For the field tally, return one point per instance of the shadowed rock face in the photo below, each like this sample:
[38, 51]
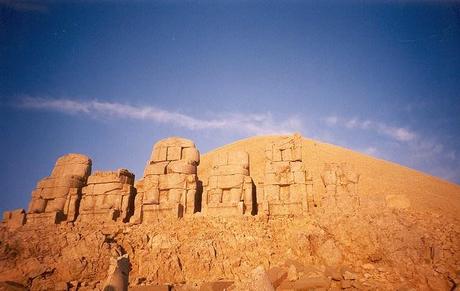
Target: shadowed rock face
[56, 197]
[328, 235]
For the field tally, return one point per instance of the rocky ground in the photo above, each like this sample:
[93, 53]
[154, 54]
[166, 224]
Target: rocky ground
[389, 249]
[405, 235]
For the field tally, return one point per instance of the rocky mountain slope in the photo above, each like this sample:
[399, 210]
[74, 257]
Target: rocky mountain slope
[404, 235]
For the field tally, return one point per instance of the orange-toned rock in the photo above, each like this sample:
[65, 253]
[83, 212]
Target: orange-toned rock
[341, 185]
[287, 185]
[108, 196]
[169, 185]
[230, 189]
[14, 218]
[56, 197]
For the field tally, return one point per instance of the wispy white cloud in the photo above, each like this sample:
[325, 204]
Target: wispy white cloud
[257, 123]
[400, 134]
[403, 145]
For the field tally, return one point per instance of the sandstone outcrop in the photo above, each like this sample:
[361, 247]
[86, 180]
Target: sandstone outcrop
[108, 196]
[56, 197]
[169, 185]
[229, 190]
[287, 187]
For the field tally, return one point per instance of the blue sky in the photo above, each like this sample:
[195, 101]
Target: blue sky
[110, 78]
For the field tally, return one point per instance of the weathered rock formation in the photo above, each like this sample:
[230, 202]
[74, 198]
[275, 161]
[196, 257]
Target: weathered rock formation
[169, 185]
[108, 196]
[229, 190]
[341, 183]
[14, 218]
[341, 240]
[56, 197]
[287, 185]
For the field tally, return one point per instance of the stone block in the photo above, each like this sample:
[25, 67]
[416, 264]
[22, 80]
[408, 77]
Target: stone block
[174, 153]
[176, 141]
[286, 155]
[298, 192]
[55, 192]
[192, 155]
[36, 193]
[191, 181]
[329, 178]
[14, 218]
[159, 153]
[175, 195]
[148, 182]
[231, 170]
[277, 167]
[72, 164]
[54, 205]
[172, 181]
[181, 166]
[230, 181]
[47, 182]
[220, 160]
[37, 205]
[297, 166]
[277, 157]
[212, 182]
[285, 193]
[286, 178]
[44, 218]
[98, 179]
[151, 196]
[296, 153]
[271, 193]
[106, 187]
[214, 196]
[299, 177]
[236, 195]
[87, 202]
